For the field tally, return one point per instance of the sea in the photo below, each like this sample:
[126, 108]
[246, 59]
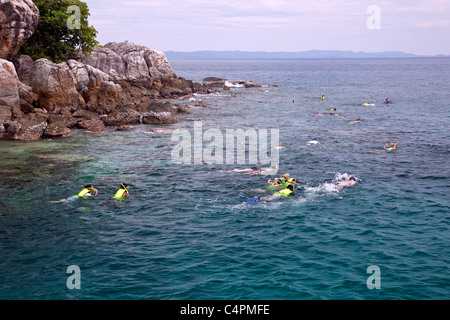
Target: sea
[189, 234]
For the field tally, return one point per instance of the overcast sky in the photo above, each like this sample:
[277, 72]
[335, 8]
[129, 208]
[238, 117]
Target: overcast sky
[412, 26]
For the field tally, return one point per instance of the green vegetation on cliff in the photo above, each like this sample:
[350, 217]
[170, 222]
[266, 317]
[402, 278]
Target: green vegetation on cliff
[63, 31]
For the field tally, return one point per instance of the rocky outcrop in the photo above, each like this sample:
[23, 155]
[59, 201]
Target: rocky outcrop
[123, 116]
[57, 130]
[120, 84]
[159, 118]
[27, 128]
[72, 84]
[18, 21]
[213, 82]
[127, 61]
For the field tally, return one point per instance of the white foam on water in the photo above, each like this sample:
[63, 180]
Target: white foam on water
[233, 84]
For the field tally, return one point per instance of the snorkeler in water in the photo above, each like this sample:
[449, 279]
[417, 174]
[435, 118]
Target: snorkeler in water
[88, 191]
[387, 147]
[123, 192]
[276, 183]
[280, 146]
[391, 147]
[286, 192]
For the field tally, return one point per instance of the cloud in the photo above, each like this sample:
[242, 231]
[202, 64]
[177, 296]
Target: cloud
[286, 24]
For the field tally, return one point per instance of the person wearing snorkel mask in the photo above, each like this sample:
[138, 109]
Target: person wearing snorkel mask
[123, 192]
[88, 191]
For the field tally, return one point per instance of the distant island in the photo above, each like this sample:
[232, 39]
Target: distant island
[311, 54]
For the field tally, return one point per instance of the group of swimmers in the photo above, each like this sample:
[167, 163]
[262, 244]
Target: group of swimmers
[90, 191]
[284, 188]
[387, 147]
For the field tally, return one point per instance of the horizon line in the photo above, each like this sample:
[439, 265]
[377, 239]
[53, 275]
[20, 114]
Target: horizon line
[310, 51]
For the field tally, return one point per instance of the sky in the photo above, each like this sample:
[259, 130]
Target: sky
[413, 26]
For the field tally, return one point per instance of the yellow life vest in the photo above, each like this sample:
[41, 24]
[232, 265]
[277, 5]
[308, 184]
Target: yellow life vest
[284, 192]
[288, 182]
[83, 193]
[119, 194]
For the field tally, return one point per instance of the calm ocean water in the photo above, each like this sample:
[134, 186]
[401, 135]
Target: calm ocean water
[190, 236]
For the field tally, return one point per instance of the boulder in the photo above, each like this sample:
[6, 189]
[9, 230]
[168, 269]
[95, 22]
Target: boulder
[18, 21]
[63, 120]
[127, 61]
[183, 109]
[213, 82]
[55, 84]
[122, 116]
[57, 130]
[86, 76]
[27, 98]
[9, 128]
[176, 87]
[107, 97]
[73, 84]
[85, 115]
[23, 65]
[202, 104]
[5, 113]
[246, 83]
[95, 125]
[123, 128]
[32, 128]
[9, 90]
[159, 118]
[159, 106]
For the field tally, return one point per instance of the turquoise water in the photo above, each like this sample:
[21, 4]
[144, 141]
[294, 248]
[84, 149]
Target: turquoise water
[190, 236]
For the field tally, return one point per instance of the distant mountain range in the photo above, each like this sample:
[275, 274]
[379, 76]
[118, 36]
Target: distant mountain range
[312, 54]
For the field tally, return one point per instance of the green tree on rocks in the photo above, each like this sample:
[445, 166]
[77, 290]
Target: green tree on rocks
[63, 31]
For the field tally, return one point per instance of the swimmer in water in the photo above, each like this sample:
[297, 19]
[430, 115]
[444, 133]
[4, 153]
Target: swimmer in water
[347, 183]
[319, 114]
[280, 146]
[312, 142]
[355, 121]
[287, 192]
[387, 147]
[391, 147]
[276, 183]
[252, 169]
[88, 191]
[123, 192]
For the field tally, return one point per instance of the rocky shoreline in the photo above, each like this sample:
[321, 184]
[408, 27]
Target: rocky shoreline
[116, 85]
